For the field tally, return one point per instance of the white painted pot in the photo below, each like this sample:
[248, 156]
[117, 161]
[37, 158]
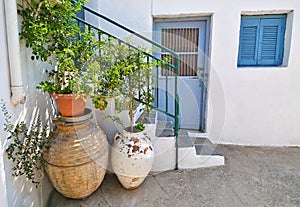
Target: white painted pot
[132, 158]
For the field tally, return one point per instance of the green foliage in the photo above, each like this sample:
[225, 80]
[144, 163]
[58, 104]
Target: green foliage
[140, 127]
[124, 72]
[48, 27]
[100, 102]
[55, 37]
[104, 71]
[138, 80]
[119, 70]
[26, 146]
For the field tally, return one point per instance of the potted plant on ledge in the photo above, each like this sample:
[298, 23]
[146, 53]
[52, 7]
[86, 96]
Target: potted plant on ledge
[49, 29]
[76, 160]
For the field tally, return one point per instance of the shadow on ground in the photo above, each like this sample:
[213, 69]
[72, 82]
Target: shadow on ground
[252, 176]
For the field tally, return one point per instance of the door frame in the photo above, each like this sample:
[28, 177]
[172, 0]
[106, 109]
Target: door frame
[203, 77]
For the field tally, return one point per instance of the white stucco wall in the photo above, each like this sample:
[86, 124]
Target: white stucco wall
[261, 104]
[18, 192]
[134, 14]
[249, 106]
[254, 106]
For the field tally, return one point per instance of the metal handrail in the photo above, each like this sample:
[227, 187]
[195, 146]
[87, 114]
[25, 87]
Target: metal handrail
[169, 65]
[128, 30]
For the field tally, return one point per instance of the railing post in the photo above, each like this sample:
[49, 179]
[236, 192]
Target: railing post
[176, 128]
[167, 84]
[157, 87]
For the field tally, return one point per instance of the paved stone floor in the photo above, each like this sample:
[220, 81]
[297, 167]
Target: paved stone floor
[252, 176]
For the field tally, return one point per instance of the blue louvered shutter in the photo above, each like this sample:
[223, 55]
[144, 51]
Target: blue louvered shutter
[249, 34]
[261, 40]
[270, 49]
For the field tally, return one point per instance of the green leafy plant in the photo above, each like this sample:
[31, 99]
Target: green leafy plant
[140, 126]
[138, 83]
[105, 72]
[123, 72]
[26, 146]
[100, 102]
[49, 29]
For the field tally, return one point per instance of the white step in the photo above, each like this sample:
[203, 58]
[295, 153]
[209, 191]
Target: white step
[196, 151]
[197, 134]
[188, 159]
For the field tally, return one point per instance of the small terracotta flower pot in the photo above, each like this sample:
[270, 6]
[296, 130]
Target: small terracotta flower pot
[69, 104]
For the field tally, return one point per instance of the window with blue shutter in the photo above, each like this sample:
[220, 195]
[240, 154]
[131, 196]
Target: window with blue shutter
[261, 40]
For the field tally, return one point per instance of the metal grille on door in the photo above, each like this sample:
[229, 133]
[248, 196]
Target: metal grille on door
[183, 41]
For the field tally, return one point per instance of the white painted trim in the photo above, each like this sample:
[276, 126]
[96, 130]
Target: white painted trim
[264, 12]
[288, 38]
[197, 16]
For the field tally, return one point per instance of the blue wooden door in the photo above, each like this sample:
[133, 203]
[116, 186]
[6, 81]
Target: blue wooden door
[188, 38]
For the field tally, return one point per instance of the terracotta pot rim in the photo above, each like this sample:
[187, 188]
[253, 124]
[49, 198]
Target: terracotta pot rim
[65, 95]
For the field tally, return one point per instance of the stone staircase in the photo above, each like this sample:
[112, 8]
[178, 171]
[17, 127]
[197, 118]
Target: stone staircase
[195, 149]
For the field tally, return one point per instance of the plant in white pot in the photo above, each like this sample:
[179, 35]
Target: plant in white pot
[132, 151]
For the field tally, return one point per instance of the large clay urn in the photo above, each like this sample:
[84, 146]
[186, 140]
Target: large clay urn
[132, 158]
[77, 159]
